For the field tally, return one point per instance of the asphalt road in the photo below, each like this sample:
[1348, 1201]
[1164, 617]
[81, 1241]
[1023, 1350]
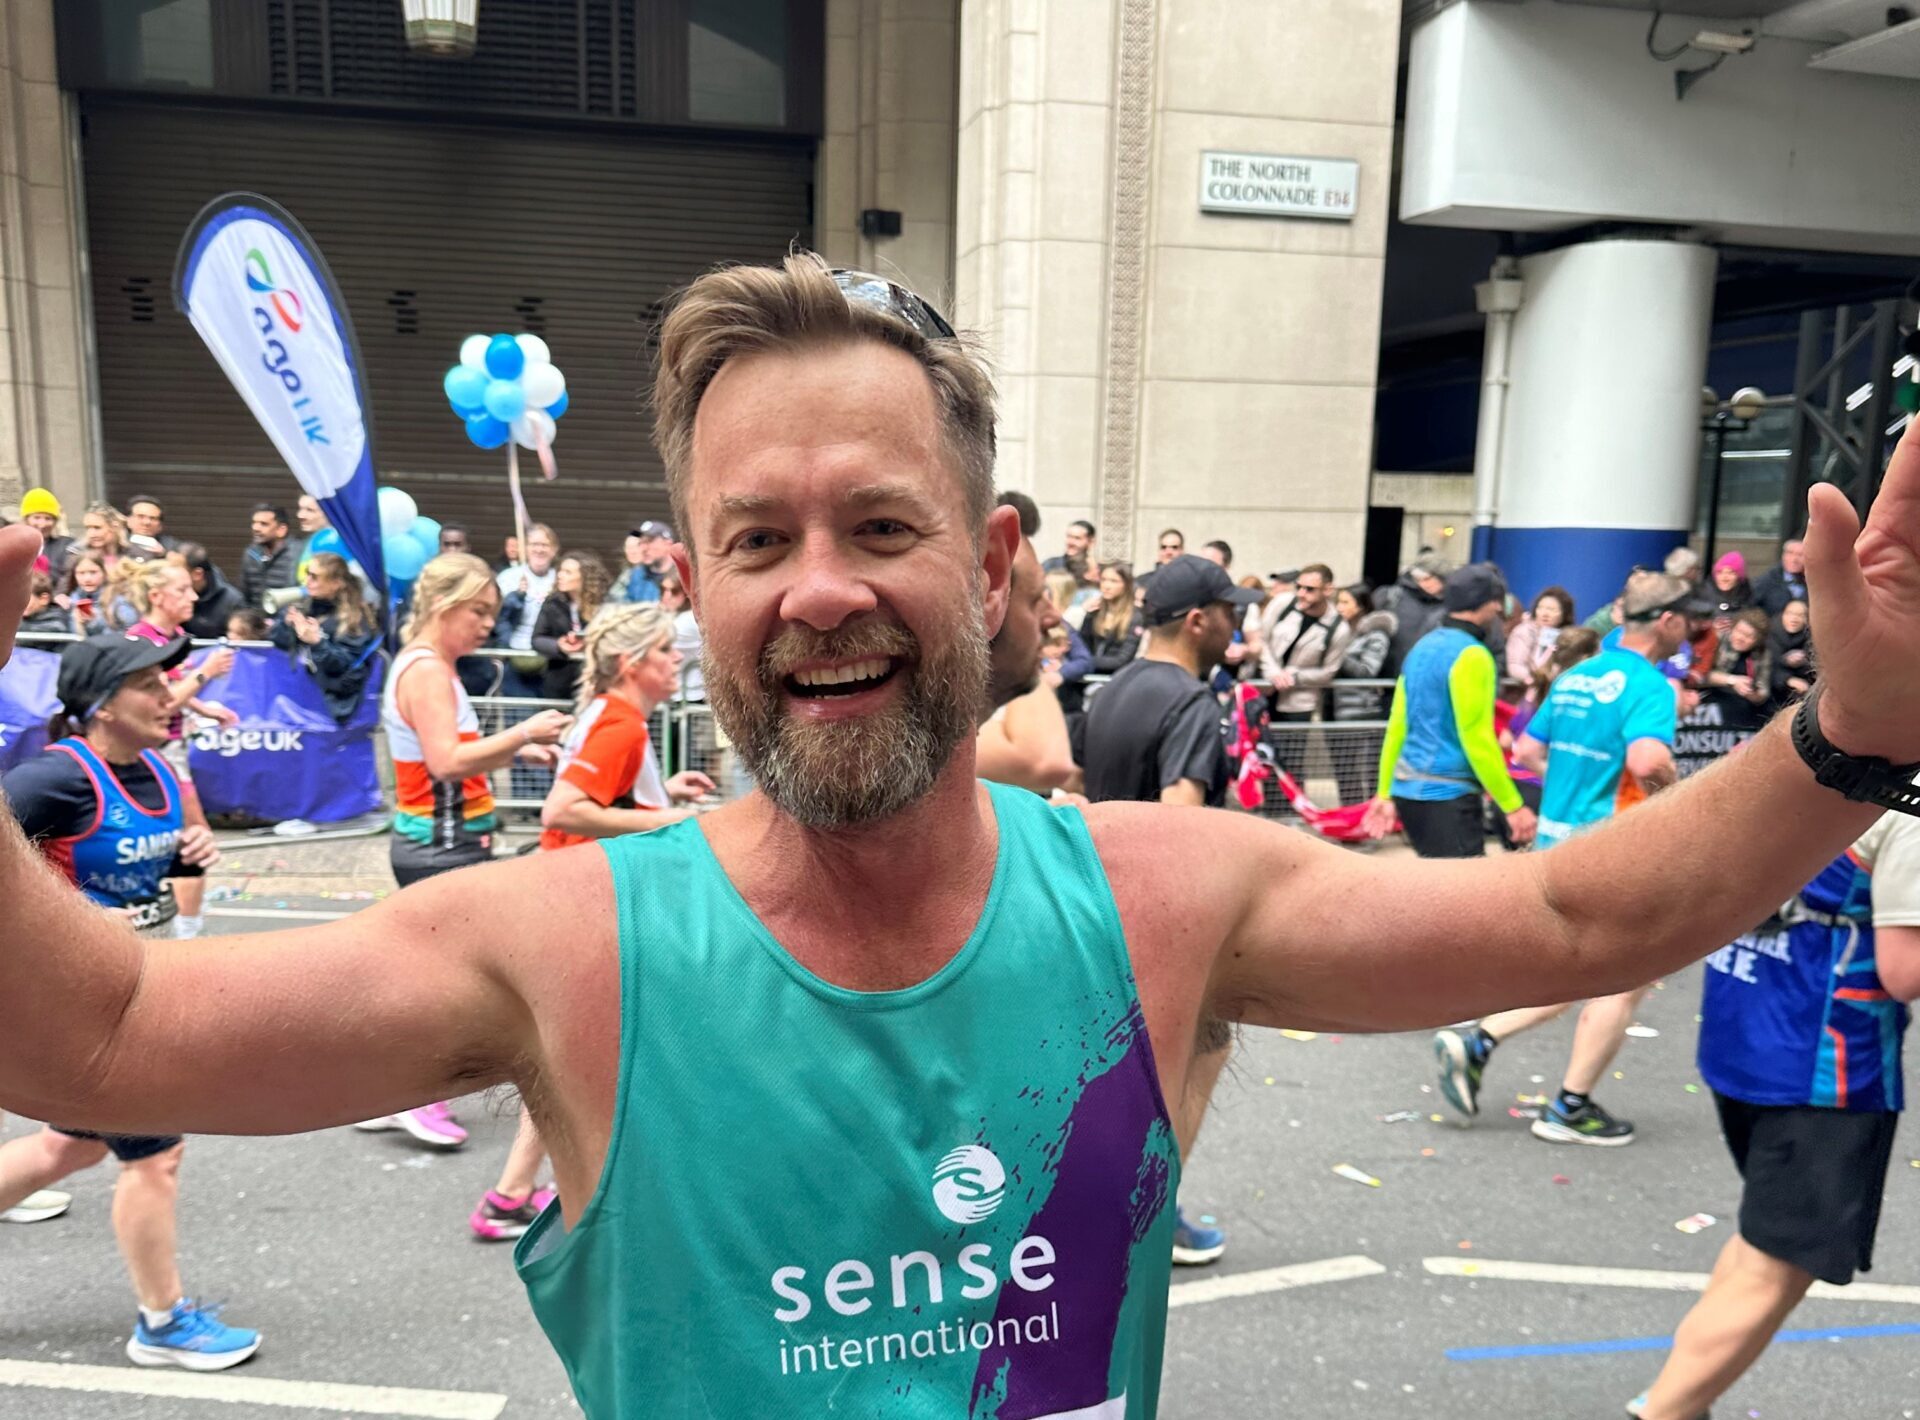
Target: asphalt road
[351, 1252]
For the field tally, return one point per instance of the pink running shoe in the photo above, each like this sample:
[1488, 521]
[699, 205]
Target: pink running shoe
[433, 1125]
[500, 1218]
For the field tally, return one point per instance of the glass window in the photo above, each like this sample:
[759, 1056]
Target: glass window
[159, 44]
[736, 62]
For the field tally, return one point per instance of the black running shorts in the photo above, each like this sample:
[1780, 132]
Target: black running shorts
[413, 861]
[1813, 1179]
[127, 1148]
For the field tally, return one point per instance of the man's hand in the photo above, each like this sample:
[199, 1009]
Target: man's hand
[1864, 590]
[1381, 819]
[197, 848]
[1522, 825]
[19, 545]
[689, 786]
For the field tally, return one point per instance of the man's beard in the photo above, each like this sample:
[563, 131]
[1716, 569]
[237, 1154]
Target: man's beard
[839, 773]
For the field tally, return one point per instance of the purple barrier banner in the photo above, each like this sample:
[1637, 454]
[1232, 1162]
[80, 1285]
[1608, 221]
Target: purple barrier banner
[27, 701]
[287, 758]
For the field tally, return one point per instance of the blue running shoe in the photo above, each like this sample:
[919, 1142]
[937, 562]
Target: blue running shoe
[194, 1337]
[1195, 1244]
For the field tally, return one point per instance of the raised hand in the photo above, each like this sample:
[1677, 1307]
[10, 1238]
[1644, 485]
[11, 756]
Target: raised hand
[1863, 588]
[19, 545]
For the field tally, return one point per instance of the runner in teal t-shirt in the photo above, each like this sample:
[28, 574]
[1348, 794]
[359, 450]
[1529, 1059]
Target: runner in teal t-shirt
[1603, 740]
[1587, 728]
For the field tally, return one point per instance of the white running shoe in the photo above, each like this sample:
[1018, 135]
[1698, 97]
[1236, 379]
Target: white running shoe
[38, 1207]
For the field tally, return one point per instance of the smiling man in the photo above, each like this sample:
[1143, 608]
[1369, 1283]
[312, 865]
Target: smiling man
[857, 1090]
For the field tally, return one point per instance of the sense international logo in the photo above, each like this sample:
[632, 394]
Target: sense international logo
[969, 1184]
[284, 299]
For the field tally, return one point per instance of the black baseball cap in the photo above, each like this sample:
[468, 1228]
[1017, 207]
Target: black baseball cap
[1188, 583]
[92, 671]
[1471, 587]
[653, 528]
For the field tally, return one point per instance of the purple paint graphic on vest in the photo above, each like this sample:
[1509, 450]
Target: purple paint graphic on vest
[1110, 1185]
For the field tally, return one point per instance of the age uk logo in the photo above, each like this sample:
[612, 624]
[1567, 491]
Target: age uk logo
[284, 299]
[968, 1184]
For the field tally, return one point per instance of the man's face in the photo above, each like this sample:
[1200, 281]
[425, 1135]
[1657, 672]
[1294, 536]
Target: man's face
[1310, 594]
[1217, 634]
[144, 518]
[1077, 542]
[1670, 630]
[1214, 555]
[656, 552]
[42, 523]
[845, 605]
[1433, 586]
[267, 529]
[540, 552]
[1793, 557]
[1030, 616]
[453, 540]
[309, 514]
[1171, 546]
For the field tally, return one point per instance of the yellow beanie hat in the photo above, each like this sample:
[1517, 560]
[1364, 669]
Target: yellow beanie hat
[39, 500]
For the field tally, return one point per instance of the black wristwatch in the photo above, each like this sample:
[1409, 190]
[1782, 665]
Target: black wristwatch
[1862, 778]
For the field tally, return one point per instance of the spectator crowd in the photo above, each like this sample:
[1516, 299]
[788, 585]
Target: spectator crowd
[1310, 646]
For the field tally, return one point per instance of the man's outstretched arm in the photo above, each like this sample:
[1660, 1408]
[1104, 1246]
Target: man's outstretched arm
[1310, 935]
[419, 998]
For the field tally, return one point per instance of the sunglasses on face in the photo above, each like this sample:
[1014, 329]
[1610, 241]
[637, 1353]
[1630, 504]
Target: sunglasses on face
[890, 297]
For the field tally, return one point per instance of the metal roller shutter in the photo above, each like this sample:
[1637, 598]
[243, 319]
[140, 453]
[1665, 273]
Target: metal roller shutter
[434, 232]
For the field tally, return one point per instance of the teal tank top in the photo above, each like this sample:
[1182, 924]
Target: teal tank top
[953, 1200]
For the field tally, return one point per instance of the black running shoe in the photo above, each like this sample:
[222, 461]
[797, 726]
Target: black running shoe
[1589, 1124]
[1459, 1071]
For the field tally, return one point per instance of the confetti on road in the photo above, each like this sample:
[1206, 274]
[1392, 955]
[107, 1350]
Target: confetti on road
[1466, 1247]
[1399, 1116]
[1561, 1178]
[1643, 1032]
[1699, 1222]
[1350, 1172]
[1619, 1074]
[1432, 1154]
[1269, 1079]
[1531, 1099]
[1301, 1034]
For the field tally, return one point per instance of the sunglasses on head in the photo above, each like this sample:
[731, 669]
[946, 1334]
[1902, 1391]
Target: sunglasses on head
[878, 293]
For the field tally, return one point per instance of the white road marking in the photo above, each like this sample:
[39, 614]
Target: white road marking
[1644, 1279]
[1272, 1279]
[255, 1390]
[291, 914]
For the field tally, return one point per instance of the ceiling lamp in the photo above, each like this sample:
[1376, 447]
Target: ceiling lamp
[442, 29]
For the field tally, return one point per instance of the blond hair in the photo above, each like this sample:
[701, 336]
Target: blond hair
[737, 311]
[444, 583]
[619, 631]
[138, 581]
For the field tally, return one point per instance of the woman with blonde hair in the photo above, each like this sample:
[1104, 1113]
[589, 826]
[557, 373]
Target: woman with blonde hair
[443, 803]
[163, 597]
[609, 784]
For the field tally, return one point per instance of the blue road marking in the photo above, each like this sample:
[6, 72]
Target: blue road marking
[1661, 1343]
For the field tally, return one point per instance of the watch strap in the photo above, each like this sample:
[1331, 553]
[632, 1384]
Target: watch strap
[1861, 778]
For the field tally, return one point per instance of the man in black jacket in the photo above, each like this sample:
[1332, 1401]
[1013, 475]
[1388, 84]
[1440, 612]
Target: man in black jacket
[1415, 601]
[1785, 582]
[271, 561]
[215, 598]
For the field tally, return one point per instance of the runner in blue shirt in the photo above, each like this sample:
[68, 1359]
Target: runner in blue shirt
[1800, 1035]
[1603, 740]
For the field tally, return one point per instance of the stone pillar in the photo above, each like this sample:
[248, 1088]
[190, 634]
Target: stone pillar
[891, 72]
[1159, 365]
[46, 433]
[1601, 455]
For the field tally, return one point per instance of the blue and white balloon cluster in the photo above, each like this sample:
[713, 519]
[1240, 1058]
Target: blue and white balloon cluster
[507, 386]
